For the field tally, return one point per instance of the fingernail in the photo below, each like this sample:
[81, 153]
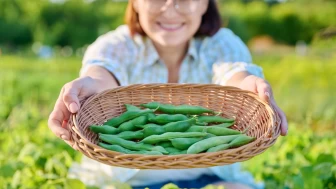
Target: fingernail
[64, 137]
[267, 94]
[73, 107]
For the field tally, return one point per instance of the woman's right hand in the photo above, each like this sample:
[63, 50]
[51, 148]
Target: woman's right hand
[69, 102]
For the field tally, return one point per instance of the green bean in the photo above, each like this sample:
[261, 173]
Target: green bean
[167, 118]
[165, 144]
[179, 126]
[126, 116]
[153, 130]
[178, 153]
[184, 143]
[212, 119]
[221, 131]
[152, 153]
[180, 109]
[171, 149]
[209, 135]
[120, 149]
[241, 140]
[112, 139]
[224, 125]
[130, 125]
[219, 148]
[201, 123]
[170, 135]
[151, 105]
[127, 126]
[141, 120]
[113, 147]
[196, 128]
[131, 135]
[105, 129]
[187, 109]
[150, 116]
[216, 130]
[148, 125]
[130, 107]
[209, 143]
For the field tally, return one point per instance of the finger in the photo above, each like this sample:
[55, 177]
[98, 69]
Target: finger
[284, 123]
[55, 126]
[56, 118]
[264, 90]
[70, 96]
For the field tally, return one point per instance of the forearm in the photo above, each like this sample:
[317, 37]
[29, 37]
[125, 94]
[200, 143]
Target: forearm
[236, 79]
[104, 79]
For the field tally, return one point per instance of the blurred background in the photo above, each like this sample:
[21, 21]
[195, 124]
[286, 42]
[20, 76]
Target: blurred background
[42, 43]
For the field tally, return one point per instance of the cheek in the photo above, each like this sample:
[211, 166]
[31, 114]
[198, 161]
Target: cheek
[144, 22]
[195, 23]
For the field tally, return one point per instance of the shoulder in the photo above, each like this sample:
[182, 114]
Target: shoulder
[224, 38]
[119, 36]
[116, 42]
[226, 45]
[225, 33]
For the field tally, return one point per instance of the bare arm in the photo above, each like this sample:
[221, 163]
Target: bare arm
[237, 78]
[105, 79]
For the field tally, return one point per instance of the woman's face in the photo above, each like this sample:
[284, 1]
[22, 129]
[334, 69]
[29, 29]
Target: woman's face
[170, 23]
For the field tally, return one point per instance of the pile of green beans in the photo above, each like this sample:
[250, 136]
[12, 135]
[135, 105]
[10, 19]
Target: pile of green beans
[165, 129]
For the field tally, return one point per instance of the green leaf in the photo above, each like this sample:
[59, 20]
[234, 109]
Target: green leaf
[74, 183]
[323, 158]
[313, 183]
[298, 182]
[323, 170]
[307, 172]
[29, 150]
[16, 179]
[7, 170]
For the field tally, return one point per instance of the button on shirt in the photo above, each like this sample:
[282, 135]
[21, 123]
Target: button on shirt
[134, 60]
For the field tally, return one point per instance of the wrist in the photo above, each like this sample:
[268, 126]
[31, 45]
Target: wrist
[101, 78]
[100, 84]
[237, 78]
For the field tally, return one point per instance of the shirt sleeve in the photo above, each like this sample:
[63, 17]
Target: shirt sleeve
[113, 51]
[232, 56]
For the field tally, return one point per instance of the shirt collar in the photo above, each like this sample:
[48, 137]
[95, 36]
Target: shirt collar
[153, 57]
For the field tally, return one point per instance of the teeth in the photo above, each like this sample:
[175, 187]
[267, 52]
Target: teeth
[171, 26]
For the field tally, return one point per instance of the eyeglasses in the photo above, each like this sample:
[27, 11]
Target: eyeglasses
[181, 6]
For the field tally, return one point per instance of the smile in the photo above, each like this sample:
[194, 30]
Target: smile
[170, 27]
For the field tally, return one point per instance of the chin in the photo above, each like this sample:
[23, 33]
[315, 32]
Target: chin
[171, 42]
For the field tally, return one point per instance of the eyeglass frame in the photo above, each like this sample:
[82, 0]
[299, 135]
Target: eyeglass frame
[176, 8]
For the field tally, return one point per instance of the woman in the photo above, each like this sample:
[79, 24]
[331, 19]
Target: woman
[175, 41]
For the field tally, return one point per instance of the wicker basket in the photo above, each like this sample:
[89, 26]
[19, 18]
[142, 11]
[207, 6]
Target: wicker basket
[262, 122]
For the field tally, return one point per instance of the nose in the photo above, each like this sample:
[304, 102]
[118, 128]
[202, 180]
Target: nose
[169, 9]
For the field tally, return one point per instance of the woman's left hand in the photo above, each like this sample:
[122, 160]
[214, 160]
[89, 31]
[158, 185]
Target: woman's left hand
[264, 91]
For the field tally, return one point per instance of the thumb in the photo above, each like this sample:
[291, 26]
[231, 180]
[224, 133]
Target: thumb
[70, 96]
[264, 91]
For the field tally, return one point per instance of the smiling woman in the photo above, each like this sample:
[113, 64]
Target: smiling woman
[210, 23]
[175, 41]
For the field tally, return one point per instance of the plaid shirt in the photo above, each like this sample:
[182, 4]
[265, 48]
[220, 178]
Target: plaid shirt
[134, 60]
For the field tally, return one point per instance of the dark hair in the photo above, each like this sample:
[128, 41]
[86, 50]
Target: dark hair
[211, 20]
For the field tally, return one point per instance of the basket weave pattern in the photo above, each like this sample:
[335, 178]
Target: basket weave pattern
[250, 112]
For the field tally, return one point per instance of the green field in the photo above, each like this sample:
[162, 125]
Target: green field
[304, 87]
